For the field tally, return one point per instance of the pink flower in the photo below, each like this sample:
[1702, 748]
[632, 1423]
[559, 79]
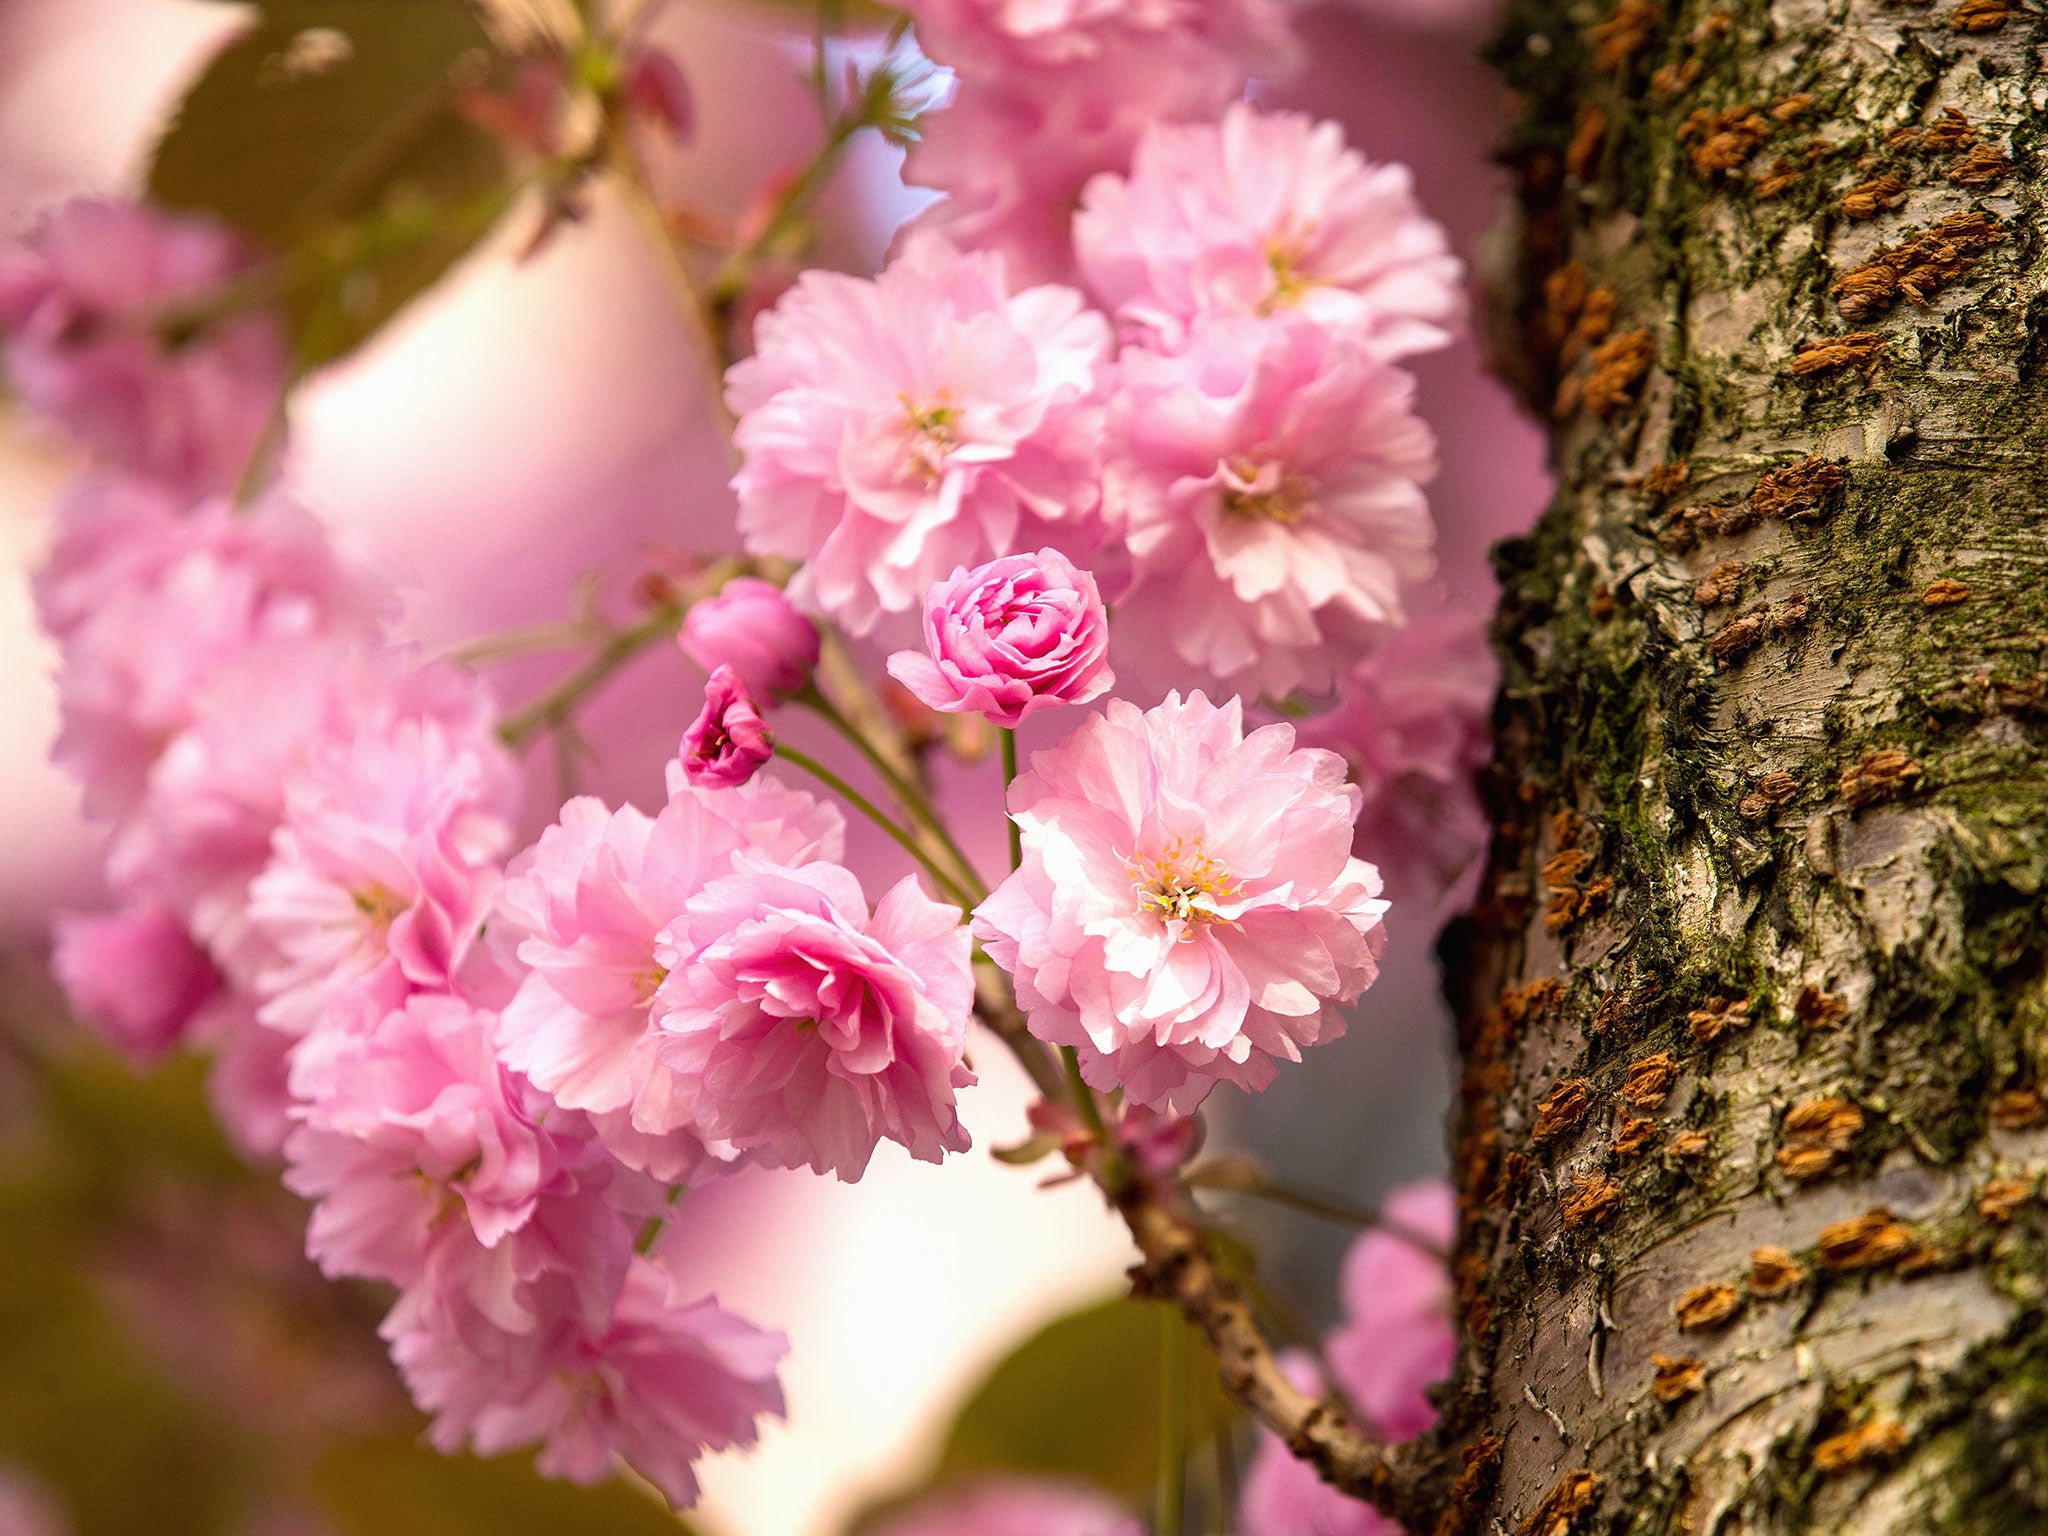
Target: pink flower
[1398, 1340]
[247, 1086]
[660, 1385]
[383, 869]
[80, 311]
[892, 430]
[751, 627]
[136, 977]
[589, 900]
[1188, 910]
[411, 1121]
[658, 91]
[1270, 481]
[1016, 1506]
[217, 792]
[1284, 1496]
[1411, 720]
[152, 603]
[1052, 94]
[1267, 213]
[802, 1030]
[729, 740]
[1019, 635]
[1000, 36]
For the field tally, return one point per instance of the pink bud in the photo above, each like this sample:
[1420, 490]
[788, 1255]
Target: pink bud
[751, 628]
[1018, 635]
[135, 977]
[657, 89]
[730, 740]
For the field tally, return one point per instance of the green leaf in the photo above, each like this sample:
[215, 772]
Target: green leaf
[393, 1486]
[329, 133]
[1081, 1399]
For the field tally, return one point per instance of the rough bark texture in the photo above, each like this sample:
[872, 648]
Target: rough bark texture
[1757, 1020]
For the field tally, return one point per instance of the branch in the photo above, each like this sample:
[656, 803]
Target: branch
[1409, 1483]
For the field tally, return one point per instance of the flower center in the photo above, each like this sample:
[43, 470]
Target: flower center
[1287, 282]
[1182, 883]
[380, 907]
[1266, 491]
[934, 432]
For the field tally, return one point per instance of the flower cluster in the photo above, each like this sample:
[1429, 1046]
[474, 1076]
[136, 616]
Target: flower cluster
[308, 827]
[1128, 410]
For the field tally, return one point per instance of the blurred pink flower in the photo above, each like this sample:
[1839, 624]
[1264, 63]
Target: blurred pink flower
[27, 1508]
[382, 870]
[1411, 720]
[1016, 636]
[1396, 1343]
[1051, 95]
[1267, 213]
[729, 741]
[894, 429]
[151, 603]
[752, 627]
[81, 311]
[663, 1383]
[804, 1031]
[1016, 1506]
[136, 977]
[1269, 480]
[1188, 910]
[1398, 1339]
[1231, 36]
[586, 904]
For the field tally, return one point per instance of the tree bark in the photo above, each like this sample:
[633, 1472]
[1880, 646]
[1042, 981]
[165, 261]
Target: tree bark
[1756, 1001]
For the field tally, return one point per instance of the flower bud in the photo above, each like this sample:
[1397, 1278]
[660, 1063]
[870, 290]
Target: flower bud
[753, 629]
[729, 740]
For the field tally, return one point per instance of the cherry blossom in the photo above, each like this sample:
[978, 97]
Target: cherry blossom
[1188, 910]
[894, 429]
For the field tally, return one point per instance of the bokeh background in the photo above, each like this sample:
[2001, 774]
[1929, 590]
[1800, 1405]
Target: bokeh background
[527, 424]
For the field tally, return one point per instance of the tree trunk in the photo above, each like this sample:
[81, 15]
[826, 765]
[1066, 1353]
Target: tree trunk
[1755, 1003]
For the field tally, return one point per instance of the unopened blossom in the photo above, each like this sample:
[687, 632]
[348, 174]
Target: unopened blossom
[663, 1382]
[587, 904]
[657, 91]
[83, 307]
[753, 628]
[1269, 480]
[1396, 1343]
[152, 603]
[410, 1121]
[801, 1029]
[1268, 213]
[1016, 1506]
[135, 976]
[1411, 720]
[1009, 639]
[729, 741]
[383, 869]
[896, 428]
[1187, 911]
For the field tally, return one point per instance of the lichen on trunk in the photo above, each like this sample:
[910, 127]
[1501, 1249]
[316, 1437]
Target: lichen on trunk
[1756, 999]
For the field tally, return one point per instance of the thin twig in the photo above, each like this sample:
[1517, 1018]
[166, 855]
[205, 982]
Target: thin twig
[874, 813]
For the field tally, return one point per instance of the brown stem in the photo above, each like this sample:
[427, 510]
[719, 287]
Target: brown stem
[1408, 1483]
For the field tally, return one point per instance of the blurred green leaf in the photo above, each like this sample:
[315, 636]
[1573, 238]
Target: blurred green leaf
[1081, 1399]
[330, 133]
[394, 1486]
